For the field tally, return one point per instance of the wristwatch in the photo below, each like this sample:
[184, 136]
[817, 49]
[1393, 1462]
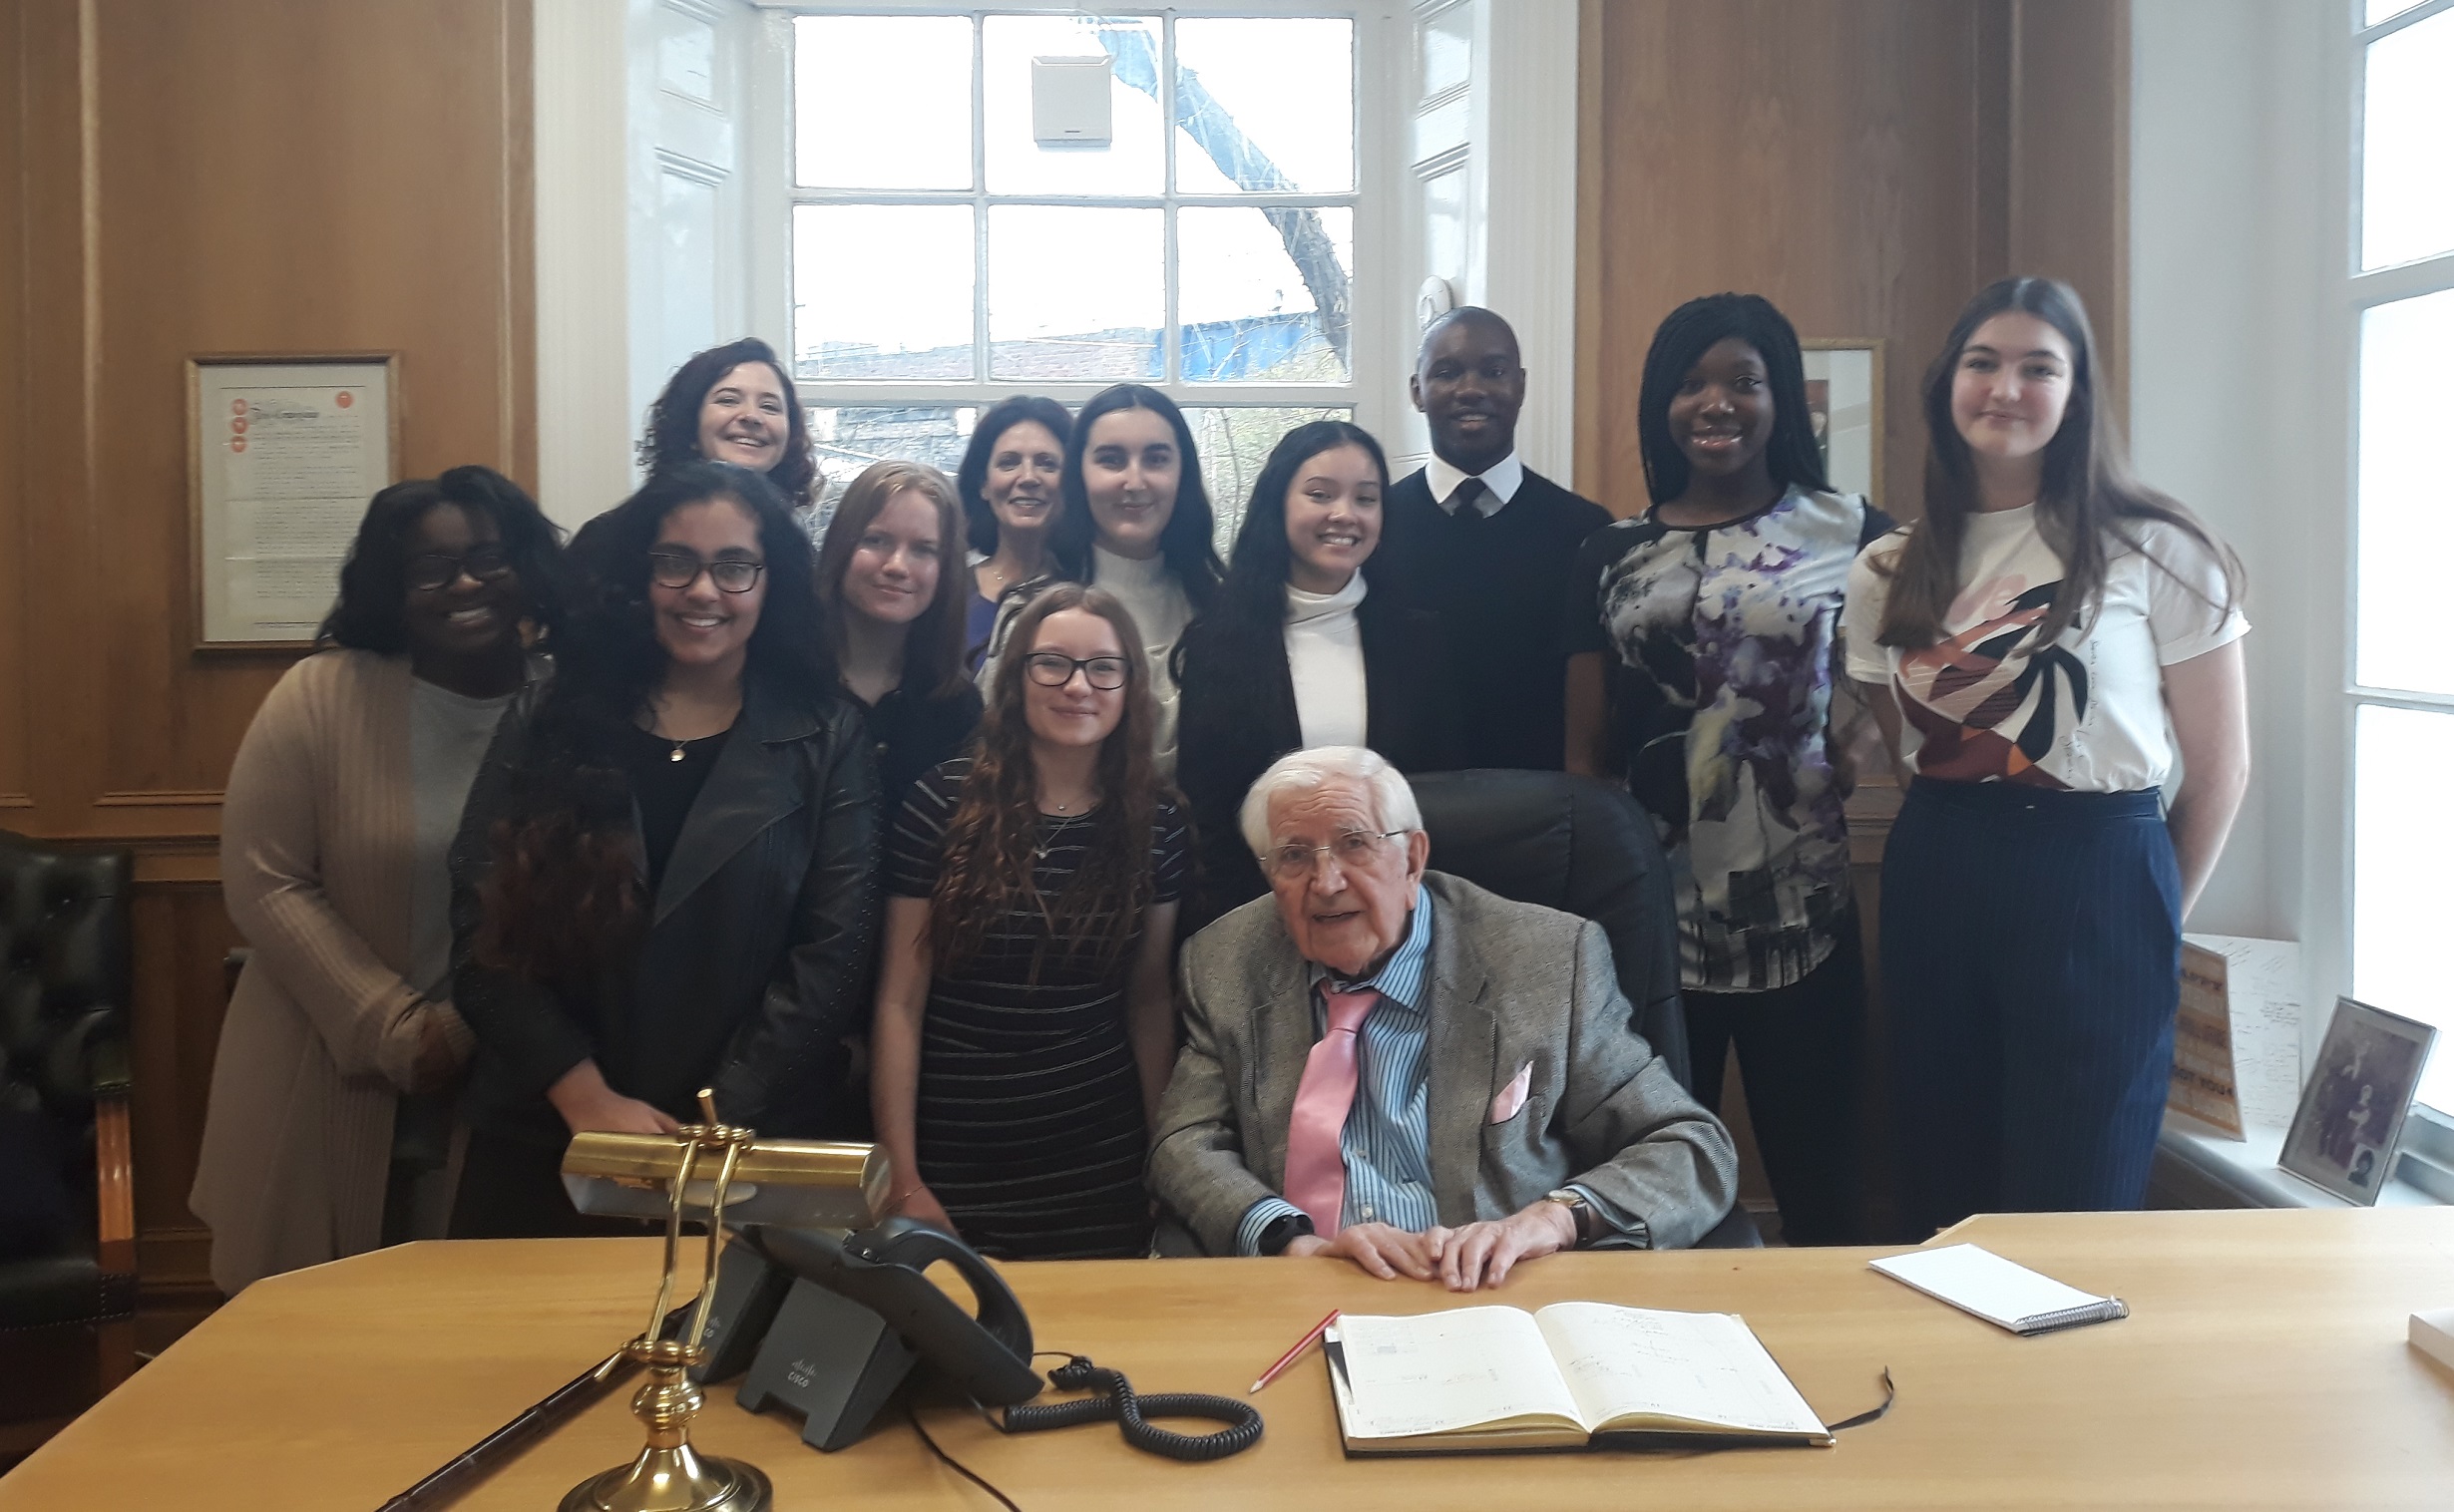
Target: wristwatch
[1283, 1231]
[1580, 1211]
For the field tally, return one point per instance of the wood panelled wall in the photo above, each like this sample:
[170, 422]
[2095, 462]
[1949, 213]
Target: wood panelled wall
[1865, 165]
[239, 176]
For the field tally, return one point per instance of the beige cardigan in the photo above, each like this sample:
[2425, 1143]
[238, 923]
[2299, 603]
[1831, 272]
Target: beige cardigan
[317, 838]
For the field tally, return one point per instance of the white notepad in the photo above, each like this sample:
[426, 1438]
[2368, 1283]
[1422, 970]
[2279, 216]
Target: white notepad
[2001, 1291]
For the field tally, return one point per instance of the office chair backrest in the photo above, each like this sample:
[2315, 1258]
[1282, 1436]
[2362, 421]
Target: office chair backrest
[1576, 845]
[64, 983]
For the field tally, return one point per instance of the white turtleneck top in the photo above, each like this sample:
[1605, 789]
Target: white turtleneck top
[1155, 600]
[1325, 656]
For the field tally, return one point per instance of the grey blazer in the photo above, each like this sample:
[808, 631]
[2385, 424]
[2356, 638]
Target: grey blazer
[1512, 987]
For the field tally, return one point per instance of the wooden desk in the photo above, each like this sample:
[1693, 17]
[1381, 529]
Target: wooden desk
[2263, 1366]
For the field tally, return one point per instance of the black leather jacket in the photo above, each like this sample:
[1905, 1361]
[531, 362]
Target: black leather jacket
[749, 975]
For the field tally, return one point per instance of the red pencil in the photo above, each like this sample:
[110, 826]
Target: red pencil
[1301, 1345]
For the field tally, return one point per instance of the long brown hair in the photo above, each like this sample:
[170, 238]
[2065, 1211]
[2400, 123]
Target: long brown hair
[2088, 494]
[990, 858]
[934, 645]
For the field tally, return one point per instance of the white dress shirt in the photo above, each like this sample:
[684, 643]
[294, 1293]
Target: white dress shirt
[1499, 483]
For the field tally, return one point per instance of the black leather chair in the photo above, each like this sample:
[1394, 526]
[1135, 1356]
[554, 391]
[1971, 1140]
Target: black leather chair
[1576, 845]
[1584, 847]
[68, 1284]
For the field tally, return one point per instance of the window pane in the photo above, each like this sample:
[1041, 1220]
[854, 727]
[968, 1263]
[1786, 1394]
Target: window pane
[2385, 10]
[849, 439]
[1132, 163]
[2407, 145]
[1265, 104]
[2406, 393]
[1074, 293]
[882, 291]
[1233, 444]
[883, 101]
[1252, 286]
[2401, 835]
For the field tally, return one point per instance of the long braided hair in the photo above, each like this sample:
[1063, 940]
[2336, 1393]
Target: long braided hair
[990, 857]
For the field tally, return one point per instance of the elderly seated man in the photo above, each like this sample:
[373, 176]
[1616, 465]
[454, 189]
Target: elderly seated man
[1393, 1065]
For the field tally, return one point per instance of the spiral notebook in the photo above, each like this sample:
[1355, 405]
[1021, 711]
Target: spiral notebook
[2003, 1293]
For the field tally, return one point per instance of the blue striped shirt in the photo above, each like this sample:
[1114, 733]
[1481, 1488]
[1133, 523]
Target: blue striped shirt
[1387, 1142]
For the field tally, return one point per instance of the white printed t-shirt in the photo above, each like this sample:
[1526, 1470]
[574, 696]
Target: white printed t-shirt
[1988, 703]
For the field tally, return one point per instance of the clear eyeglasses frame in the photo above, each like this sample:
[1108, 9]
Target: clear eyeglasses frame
[1355, 848]
[1051, 670]
[678, 570]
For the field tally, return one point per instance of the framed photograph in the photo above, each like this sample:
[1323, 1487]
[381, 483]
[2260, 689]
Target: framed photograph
[2351, 1112]
[1845, 399]
[283, 453]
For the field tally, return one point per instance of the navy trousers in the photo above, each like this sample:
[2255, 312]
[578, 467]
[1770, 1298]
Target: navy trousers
[2031, 966]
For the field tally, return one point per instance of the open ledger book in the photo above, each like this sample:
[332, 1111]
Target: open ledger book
[1573, 1375]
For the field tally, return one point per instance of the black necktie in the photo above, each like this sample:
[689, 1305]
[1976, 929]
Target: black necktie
[1462, 504]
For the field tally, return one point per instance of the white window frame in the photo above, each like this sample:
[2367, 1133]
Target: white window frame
[773, 195]
[2428, 1152]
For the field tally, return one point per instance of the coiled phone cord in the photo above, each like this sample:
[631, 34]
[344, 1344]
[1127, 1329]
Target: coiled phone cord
[1117, 1403]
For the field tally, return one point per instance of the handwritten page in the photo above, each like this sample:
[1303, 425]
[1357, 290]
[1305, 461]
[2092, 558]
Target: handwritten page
[2000, 1291]
[1443, 1371]
[1704, 1367]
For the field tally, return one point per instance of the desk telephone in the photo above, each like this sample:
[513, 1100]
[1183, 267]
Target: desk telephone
[831, 1325]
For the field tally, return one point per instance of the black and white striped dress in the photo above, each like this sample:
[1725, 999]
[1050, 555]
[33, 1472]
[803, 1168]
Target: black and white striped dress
[1029, 1116]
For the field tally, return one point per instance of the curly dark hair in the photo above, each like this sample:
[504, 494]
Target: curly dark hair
[673, 421]
[971, 479]
[1184, 543]
[371, 613]
[565, 884]
[1680, 342]
[991, 864]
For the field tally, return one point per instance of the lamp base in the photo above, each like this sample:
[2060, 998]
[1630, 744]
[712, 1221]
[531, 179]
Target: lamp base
[678, 1479]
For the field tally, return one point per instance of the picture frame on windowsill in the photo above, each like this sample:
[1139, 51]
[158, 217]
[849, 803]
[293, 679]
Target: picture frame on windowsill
[2349, 1124]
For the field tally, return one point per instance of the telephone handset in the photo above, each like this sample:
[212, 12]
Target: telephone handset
[830, 1325]
[988, 1355]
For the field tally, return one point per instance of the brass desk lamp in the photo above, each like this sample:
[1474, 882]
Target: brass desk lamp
[662, 1175]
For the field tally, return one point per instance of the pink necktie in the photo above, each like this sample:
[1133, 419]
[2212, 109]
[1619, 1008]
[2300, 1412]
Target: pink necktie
[1315, 1170]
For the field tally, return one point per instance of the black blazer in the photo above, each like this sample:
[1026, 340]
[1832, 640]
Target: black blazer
[748, 974]
[1411, 716]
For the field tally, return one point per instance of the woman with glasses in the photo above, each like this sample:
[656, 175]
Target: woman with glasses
[329, 1128]
[664, 880]
[1136, 521]
[1008, 483]
[735, 403]
[1024, 1023]
[1298, 652]
[894, 618]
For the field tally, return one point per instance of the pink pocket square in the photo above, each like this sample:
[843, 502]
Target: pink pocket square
[1511, 1098]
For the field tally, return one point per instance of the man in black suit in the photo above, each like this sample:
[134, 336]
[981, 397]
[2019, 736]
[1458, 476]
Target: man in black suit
[1487, 544]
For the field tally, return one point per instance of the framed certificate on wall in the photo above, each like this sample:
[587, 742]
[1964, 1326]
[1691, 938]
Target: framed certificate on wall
[283, 453]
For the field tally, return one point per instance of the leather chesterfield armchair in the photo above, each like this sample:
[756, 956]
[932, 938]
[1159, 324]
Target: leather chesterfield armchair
[68, 1285]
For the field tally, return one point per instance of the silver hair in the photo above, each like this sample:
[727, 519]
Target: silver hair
[1392, 798]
